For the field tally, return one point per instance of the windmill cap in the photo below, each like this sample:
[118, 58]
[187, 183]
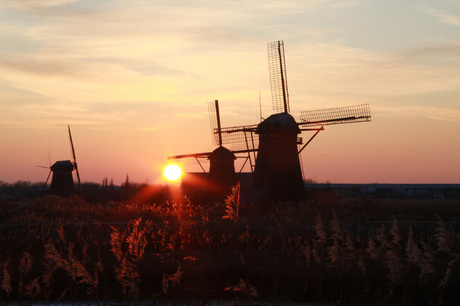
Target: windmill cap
[221, 153]
[62, 165]
[282, 122]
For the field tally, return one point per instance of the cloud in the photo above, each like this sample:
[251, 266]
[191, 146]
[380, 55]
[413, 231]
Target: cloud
[31, 4]
[403, 84]
[445, 51]
[37, 66]
[431, 112]
[28, 109]
[348, 70]
[443, 16]
[188, 53]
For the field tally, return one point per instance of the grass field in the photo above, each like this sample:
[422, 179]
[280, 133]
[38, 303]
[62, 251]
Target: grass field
[341, 251]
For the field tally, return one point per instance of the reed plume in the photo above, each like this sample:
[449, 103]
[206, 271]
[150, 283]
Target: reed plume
[129, 249]
[73, 268]
[6, 281]
[25, 265]
[232, 203]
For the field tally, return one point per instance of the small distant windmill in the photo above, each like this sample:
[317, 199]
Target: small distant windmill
[273, 147]
[62, 182]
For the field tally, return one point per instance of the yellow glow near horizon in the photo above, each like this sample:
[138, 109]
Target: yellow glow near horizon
[172, 172]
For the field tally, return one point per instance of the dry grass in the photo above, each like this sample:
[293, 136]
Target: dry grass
[342, 251]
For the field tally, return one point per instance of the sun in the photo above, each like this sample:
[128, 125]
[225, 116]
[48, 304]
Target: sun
[172, 172]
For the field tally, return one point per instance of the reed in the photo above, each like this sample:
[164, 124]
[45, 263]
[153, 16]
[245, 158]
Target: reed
[320, 252]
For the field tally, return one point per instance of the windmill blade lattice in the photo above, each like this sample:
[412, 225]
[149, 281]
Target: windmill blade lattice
[338, 115]
[228, 135]
[236, 134]
[278, 76]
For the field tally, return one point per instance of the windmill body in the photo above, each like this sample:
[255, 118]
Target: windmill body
[277, 166]
[62, 181]
[222, 169]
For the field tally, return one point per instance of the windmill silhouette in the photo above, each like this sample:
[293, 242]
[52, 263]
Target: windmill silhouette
[273, 147]
[62, 182]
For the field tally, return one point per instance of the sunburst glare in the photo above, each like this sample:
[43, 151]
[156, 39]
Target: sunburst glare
[172, 172]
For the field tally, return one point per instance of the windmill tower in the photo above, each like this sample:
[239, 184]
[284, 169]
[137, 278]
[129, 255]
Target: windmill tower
[273, 147]
[62, 181]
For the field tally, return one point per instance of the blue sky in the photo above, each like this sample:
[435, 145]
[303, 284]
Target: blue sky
[133, 79]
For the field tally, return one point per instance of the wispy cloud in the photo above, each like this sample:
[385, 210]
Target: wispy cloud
[37, 66]
[375, 73]
[446, 51]
[443, 16]
[159, 51]
[29, 4]
[431, 112]
[396, 83]
[192, 52]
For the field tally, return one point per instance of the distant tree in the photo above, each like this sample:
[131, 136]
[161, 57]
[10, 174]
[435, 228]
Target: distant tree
[104, 182]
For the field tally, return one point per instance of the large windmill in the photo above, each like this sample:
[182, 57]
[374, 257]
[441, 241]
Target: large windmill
[273, 147]
[62, 182]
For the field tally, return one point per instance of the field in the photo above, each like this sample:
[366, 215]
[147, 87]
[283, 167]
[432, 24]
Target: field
[338, 251]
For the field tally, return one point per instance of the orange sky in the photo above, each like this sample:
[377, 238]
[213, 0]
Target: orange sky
[133, 80]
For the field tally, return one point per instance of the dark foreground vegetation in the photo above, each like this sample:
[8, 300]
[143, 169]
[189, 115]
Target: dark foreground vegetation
[340, 251]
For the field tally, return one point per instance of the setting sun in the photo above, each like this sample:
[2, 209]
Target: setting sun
[172, 172]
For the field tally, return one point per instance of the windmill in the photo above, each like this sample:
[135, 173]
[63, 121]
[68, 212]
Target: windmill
[62, 182]
[273, 147]
[221, 176]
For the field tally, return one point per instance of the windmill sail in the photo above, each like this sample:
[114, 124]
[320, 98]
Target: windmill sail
[214, 118]
[338, 115]
[229, 135]
[46, 182]
[74, 157]
[278, 76]
[238, 134]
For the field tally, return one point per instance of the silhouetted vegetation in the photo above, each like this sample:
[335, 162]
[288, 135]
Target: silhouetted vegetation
[340, 251]
[20, 189]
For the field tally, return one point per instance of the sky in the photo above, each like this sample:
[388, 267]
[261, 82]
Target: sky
[133, 80]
